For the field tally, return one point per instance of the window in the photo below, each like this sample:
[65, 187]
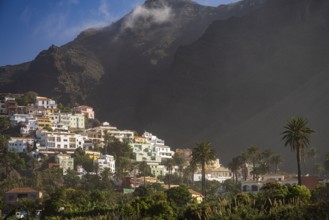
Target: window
[254, 188]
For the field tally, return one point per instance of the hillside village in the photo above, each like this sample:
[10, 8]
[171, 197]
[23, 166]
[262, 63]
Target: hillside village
[45, 128]
[68, 140]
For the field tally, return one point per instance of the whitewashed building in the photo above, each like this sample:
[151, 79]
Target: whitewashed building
[66, 162]
[77, 121]
[163, 151]
[157, 169]
[45, 102]
[20, 144]
[97, 134]
[106, 161]
[60, 140]
[15, 119]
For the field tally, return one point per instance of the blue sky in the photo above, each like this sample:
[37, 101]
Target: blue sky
[29, 26]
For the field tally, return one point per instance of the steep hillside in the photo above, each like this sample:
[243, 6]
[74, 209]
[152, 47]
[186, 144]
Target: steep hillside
[239, 83]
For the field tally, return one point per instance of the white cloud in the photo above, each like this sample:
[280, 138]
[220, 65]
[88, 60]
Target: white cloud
[156, 15]
[103, 9]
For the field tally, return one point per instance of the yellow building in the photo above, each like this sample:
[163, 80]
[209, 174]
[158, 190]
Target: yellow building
[44, 121]
[94, 155]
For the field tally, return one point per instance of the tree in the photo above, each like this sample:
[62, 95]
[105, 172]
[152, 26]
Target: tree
[4, 123]
[267, 154]
[235, 166]
[179, 195]
[313, 153]
[297, 136]
[179, 161]
[145, 169]
[170, 166]
[188, 173]
[202, 154]
[277, 161]
[253, 154]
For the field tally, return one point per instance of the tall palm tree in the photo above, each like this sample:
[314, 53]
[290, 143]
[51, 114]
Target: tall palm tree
[297, 136]
[202, 154]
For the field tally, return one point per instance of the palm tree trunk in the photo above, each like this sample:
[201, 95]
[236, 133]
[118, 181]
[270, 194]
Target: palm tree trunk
[203, 179]
[298, 166]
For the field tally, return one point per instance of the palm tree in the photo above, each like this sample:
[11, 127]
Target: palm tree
[202, 154]
[267, 154]
[277, 161]
[170, 166]
[253, 154]
[297, 136]
[235, 166]
[145, 168]
[313, 153]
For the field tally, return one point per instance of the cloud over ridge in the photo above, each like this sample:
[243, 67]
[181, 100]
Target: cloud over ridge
[153, 15]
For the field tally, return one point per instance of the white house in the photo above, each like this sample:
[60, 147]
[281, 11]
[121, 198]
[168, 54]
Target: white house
[77, 121]
[145, 152]
[20, 144]
[97, 134]
[66, 162]
[106, 161]
[31, 124]
[158, 146]
[15, 119]
[163, 151]
[45, 102]
[60, 140]
[157, 169]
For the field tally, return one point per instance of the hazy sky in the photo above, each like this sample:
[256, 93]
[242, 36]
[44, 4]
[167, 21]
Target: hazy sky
[29, 26]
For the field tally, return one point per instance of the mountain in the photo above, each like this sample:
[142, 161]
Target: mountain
[245, 77]
[231, 74]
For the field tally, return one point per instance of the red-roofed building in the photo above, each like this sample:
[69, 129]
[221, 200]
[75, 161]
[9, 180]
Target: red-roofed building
[13, 195]
[85, 110]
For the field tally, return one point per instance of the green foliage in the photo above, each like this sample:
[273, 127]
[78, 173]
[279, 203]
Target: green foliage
[298, 194]
[179, 195]
[64, 109]
[119, 149]
[71, 179]
[80, 159]
[27, 98]
[4, 123]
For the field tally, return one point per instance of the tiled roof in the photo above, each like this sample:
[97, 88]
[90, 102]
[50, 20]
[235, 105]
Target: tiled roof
[42, 98]
[22, 190]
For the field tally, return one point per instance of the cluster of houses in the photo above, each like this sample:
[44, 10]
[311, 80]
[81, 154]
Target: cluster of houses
[46, 130]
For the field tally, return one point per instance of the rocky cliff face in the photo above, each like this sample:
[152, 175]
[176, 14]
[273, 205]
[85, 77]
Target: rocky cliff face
[232, 75]
[239, 83]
